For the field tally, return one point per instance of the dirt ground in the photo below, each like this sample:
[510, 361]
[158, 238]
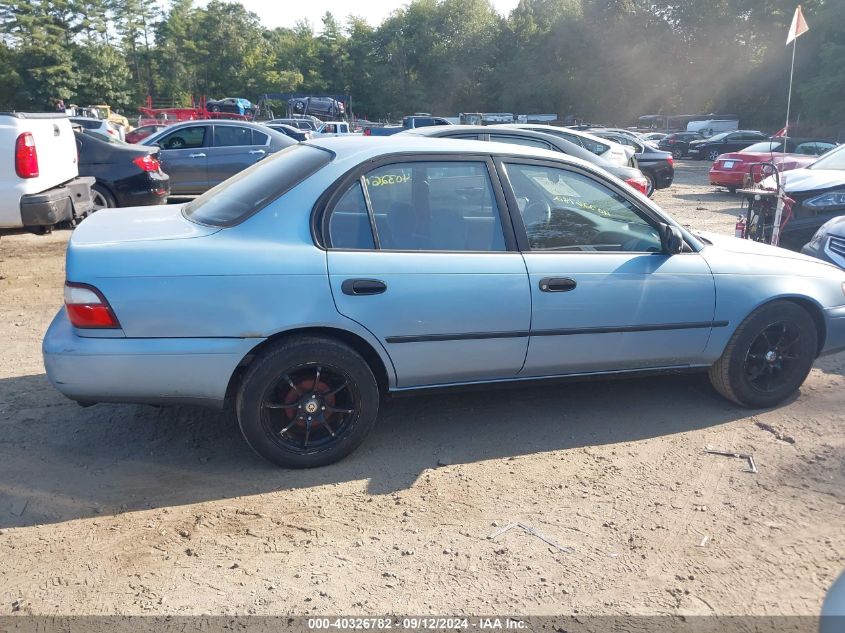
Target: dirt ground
[141, 510]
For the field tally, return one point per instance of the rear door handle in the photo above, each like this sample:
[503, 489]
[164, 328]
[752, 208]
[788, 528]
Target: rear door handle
[257, 151]
[557, 284]
[200, 155]
[357, 287]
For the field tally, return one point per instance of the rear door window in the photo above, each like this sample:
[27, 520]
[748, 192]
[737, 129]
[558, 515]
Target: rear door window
[420, 206]
[232, 135]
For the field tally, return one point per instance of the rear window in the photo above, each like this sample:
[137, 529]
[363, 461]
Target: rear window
[249, 191]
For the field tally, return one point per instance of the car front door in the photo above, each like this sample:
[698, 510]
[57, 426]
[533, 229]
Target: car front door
[184, 157]
[605, 296]
[420, 252]
[234, 150]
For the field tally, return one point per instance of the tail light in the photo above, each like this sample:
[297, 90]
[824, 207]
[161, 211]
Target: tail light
[639, 183]
[26, 158]
[671, 161]
[147, 162]
[87, 308]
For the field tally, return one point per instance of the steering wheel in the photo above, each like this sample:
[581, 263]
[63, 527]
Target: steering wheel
[537, 212]
[177, 142]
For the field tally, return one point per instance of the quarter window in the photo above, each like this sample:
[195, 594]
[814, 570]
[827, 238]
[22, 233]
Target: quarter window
[566, 211]
[420, 206]
[259, 138]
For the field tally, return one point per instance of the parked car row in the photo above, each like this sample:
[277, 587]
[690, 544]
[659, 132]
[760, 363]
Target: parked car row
[733, 170]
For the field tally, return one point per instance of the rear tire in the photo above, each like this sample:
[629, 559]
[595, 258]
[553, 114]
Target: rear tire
[651, 185]
[768, 357]
[102, 198]
[307, 402]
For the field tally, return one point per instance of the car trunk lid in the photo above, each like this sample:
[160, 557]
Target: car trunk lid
[138, 224]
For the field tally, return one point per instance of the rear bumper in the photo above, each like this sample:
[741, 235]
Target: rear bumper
[60, 204]
[146, 371]
[731, 178]
[146, 189]
[835, 339]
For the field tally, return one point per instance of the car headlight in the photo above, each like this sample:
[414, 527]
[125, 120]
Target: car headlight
[827, 200]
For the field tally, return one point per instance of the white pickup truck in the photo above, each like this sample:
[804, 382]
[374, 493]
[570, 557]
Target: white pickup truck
[40, 185]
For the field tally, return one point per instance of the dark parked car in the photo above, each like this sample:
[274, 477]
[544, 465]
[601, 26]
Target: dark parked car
[295, 133]
[530, 138]
[318, 106]
[127, 175]
[829, 241]
[200, 154]
[140, 133]
[711, 148]
[231, 105]
[305, 123]
[678, 143]
[819, 195]
[657, 166]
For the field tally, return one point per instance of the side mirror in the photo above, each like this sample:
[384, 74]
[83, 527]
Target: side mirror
[671, 239]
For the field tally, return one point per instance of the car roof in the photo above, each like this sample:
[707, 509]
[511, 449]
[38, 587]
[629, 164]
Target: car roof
[437, 131]
[360, 148]
[556, 130]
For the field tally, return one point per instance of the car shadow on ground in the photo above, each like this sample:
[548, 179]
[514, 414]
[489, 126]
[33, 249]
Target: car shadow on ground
[60, 462]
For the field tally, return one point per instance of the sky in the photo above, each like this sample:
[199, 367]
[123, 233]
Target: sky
[274, 13]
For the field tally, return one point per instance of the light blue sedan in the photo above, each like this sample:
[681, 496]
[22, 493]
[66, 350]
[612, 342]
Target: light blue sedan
[340, 270]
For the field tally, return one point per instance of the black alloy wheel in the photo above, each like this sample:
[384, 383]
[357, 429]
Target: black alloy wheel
[307, 401]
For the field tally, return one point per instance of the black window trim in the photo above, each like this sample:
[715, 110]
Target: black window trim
[516, 216]
[321, 213]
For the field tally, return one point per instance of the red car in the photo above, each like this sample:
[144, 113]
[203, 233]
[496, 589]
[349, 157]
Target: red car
[733, 170]
[140, 133]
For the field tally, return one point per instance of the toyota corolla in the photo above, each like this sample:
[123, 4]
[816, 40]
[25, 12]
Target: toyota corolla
[307, 288]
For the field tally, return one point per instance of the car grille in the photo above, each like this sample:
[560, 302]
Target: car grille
[837, 245]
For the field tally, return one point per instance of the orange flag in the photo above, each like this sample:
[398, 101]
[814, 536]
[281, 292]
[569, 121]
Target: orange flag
[798, 26]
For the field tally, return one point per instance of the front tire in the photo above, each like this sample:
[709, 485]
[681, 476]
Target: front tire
[768, 357]
[677, 153]
[712, 155]
[307, 402]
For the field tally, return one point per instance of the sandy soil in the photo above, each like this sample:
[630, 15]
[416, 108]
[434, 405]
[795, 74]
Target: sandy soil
[139, 510]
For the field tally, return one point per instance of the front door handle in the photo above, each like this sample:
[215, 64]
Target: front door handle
[357, 287]
[557, 284]
[199, 155]
[257, 151]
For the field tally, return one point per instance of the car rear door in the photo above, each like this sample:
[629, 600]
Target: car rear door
[234, 149]
[184, 157]
[605, 296]
[420, 253]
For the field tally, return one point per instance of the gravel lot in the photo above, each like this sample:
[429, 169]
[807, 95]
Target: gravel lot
[140, 510]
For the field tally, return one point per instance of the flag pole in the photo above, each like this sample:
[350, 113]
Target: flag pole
[789, 94]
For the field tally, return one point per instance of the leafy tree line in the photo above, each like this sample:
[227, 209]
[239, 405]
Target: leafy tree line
[601, 60]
